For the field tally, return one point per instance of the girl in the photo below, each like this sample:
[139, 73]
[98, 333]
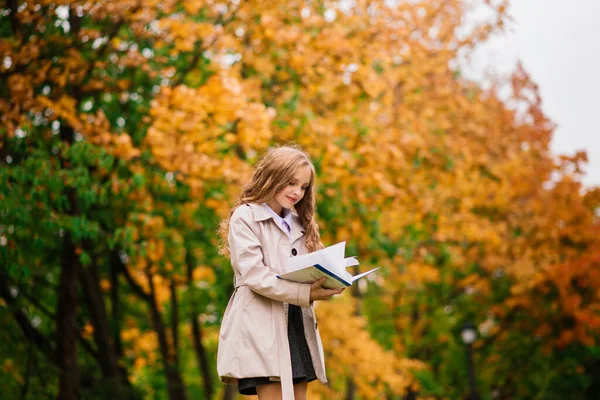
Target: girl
[269, 340]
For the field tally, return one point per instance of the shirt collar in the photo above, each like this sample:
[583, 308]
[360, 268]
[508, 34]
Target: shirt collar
[287, 212]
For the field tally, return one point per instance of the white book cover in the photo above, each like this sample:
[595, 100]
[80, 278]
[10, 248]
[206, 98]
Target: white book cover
[328, 262]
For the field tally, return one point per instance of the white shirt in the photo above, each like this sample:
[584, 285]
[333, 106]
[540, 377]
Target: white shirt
[284, 223]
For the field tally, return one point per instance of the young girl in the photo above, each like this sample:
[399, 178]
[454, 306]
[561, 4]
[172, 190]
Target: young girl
[269, 340]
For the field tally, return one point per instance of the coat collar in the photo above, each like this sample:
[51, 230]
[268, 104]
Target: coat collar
[261, 214]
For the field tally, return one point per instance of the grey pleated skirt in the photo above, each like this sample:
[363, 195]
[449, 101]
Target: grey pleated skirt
[302, 367]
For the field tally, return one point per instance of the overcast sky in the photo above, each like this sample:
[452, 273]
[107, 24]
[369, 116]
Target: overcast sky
[558, 43]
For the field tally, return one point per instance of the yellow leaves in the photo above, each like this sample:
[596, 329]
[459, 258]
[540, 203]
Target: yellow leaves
[204, 273]
[161, 290]
[184, 33]
[254, 128]
[215, 204]
[156, 250]
[354, 354]
[197, 131]
[129, 334]
[142, 347]
[123, 84]
[418, 274]
[193, 7]
[410, 152]
[123, 147]
[139, 363]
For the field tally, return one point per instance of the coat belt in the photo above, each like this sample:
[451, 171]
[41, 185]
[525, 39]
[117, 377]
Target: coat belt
[237, 281]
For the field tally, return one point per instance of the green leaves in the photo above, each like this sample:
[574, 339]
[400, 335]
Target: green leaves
[80, 227]
[138, 180]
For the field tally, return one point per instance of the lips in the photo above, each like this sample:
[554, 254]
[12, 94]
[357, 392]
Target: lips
[293, 200]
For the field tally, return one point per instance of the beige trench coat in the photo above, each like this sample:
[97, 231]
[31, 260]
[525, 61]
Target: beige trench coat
[253, 338]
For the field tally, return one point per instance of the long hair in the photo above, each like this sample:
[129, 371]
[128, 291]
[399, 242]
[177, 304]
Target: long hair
[271, 175]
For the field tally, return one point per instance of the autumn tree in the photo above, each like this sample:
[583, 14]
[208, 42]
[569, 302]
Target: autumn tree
[128, 128]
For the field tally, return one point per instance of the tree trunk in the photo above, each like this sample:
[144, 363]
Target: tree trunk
[115, 263]
[107, 353]
[95, 302]
[411, 395]
[350, 389]
[66, 327]
[201, 355]
[175, 385]
[67, 334]
[174, 322]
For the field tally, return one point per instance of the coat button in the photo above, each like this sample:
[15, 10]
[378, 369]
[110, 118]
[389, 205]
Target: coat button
[316, 325]
[294, 252]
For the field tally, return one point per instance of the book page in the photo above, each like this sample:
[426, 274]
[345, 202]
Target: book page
[350, 262]
[335, 253]
[331, 257]
[357, 277]
[312, 274]
[305, 260]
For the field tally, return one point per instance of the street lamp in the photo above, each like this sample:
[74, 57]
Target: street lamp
[468, 335]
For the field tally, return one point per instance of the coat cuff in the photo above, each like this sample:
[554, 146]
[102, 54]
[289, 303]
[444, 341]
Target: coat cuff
[303, 295]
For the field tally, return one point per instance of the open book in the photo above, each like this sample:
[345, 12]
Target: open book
[328, 262]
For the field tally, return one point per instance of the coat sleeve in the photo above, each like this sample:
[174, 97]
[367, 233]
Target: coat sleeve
[246, 252]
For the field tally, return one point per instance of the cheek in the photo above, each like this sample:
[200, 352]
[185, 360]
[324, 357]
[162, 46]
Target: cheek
[282, 195]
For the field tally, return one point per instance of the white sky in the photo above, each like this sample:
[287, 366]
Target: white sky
[558, 43]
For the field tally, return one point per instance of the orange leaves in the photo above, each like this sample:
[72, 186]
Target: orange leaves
[64, 107]
[193, 7]
[20, 87]
[429, 175]
[95, 127]
[191, 127]
[572, 301]
[105, 285]
[124, 148]
[417, 274]
[185, 33]
[204, 273]
[141, 346]
[87, 331]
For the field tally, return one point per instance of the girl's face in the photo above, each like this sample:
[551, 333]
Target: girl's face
[293, 192]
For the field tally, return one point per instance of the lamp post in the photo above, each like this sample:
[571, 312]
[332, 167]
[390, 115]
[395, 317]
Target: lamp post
[468, 335]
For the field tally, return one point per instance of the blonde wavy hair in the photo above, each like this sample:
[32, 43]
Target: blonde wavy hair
[271, 175]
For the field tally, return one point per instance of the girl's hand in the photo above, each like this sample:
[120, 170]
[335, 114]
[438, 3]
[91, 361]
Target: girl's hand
[317, 292]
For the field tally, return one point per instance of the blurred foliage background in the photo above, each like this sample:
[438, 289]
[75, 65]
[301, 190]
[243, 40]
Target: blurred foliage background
[128, 127]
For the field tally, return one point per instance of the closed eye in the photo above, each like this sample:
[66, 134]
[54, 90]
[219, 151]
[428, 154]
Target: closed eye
[293, 183]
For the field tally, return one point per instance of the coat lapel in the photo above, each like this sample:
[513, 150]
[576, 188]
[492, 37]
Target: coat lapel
[297, 229]
[261, 214]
